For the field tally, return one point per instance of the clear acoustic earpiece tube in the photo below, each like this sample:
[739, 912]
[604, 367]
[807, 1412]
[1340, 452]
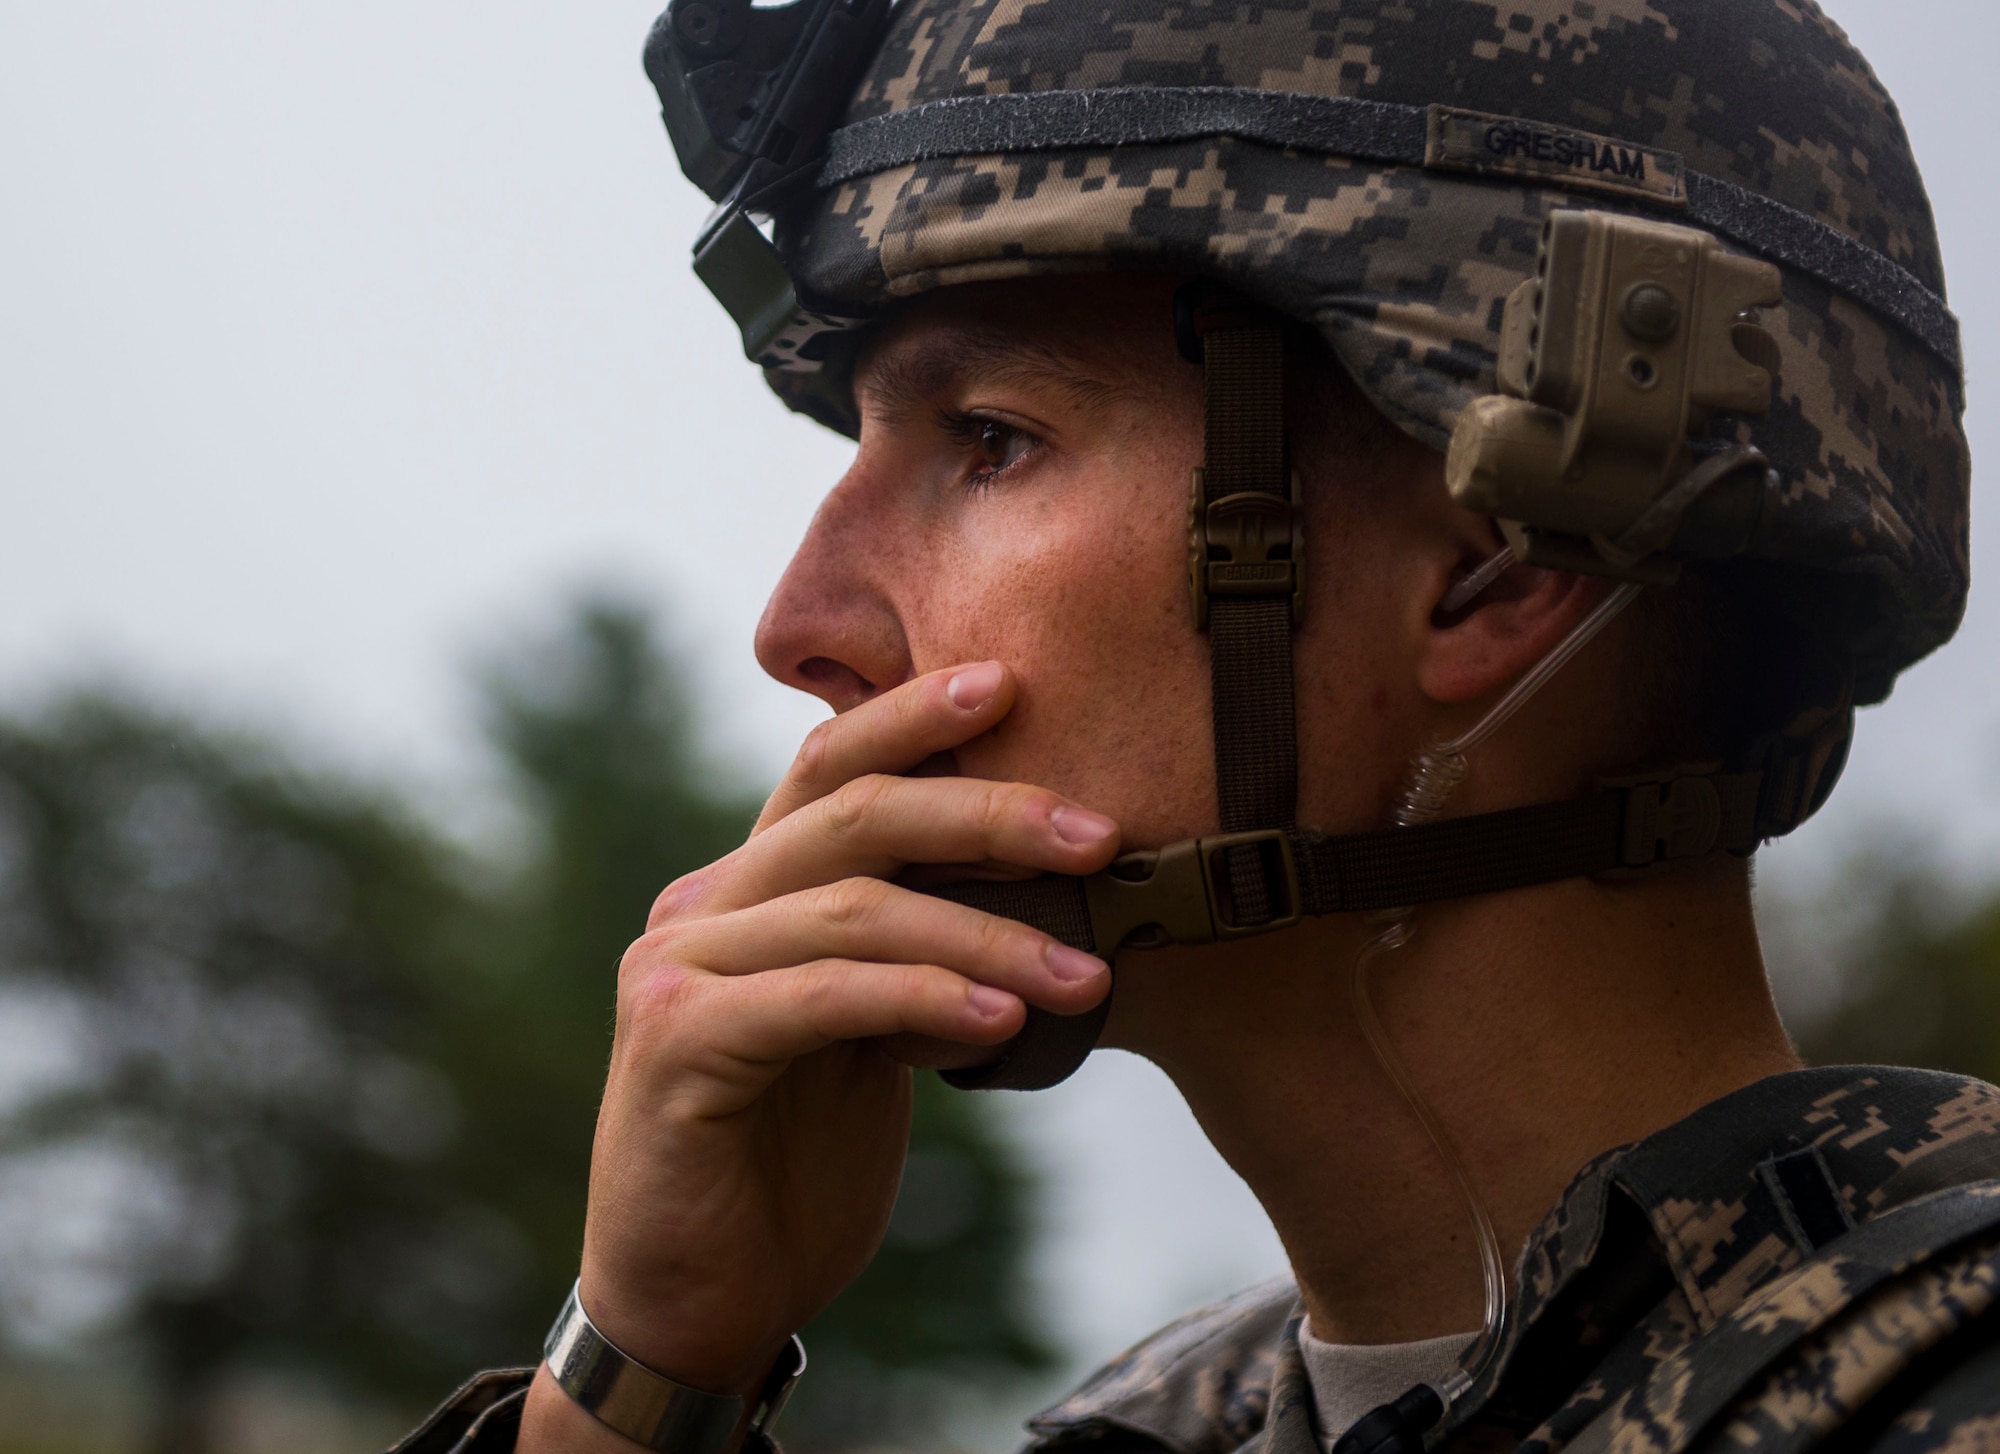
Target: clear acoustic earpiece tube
[1434, 776]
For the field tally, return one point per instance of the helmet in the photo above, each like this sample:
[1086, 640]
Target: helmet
[1450, 193]
[1383, 172]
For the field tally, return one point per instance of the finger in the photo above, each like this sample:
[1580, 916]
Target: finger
[768, 1019]
[875, 825]
[865, 918]
[893, 733]
[924, 1052]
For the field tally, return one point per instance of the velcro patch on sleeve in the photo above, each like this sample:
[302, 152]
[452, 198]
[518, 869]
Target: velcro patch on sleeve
[1473, 141]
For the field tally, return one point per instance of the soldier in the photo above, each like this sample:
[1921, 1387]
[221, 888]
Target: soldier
[1258, 407]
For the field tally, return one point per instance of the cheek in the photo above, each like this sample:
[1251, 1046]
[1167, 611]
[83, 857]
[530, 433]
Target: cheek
[1352, 686]
[1089, 607]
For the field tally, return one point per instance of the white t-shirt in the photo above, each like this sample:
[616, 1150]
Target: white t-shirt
[1351, 1380]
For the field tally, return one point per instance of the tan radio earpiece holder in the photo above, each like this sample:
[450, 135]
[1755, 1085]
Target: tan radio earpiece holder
[1629, 337]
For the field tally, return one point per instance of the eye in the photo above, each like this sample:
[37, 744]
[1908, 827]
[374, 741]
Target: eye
[994, 445]
[1001, 444]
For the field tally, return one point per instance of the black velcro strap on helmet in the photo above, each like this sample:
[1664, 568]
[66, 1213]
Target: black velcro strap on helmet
[1378, 131]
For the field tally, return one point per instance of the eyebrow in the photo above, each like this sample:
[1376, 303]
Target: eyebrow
[912, 377]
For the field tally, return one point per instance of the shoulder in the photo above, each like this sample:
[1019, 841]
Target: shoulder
[1888, 1340]
[1910, 1358]
[1200, 1384]
[1958, 1411]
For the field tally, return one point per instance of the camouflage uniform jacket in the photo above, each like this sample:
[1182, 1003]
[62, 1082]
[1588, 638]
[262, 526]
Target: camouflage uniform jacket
[1810, 1261]
[1813, 1257]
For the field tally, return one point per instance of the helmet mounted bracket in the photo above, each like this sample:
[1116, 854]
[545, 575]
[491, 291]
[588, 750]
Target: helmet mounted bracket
[748, 93]
[1615, 358]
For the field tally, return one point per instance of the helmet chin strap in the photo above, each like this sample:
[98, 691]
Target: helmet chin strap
[1246, 578]
[1262, 872]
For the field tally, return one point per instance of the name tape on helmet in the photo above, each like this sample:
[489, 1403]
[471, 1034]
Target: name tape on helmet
[1476, 141]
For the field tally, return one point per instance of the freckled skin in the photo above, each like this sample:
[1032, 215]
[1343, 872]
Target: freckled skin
[1074, 572]
[1019, 497]
[1069, 572]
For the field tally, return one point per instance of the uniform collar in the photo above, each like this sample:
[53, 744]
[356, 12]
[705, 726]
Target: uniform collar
[1696, 1209]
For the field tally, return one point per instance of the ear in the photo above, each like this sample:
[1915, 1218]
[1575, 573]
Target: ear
[1506, 629]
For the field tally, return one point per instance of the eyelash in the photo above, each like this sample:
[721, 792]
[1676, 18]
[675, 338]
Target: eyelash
[968, 431]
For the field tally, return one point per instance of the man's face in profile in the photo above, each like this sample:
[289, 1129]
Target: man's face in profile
[1020, 494]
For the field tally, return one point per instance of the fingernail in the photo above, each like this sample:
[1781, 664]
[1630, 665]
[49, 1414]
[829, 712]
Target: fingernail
[1073, 966]
[974, 687]
[987, 1002]
[1081, 827]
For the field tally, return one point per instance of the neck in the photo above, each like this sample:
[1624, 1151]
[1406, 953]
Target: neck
[1544, 1027]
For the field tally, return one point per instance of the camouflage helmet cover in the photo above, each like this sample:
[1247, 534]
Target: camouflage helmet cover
[1403, 267]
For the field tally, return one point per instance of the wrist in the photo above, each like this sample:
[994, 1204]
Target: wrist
[695, 1341]
[554, 1423]
[652, 1409]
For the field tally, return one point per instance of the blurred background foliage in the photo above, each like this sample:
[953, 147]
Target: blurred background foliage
[1896, 963]
[298, 1092]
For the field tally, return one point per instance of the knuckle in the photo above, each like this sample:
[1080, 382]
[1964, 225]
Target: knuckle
[994, 937]
[915, 982]
[639, 956]
[853, 801]
[817, 991]
[908, 988]
[657, 996]
[851, 903]
[918, 709]
[1005, 804]
[926, 989]
[675, 897]
[651, 953]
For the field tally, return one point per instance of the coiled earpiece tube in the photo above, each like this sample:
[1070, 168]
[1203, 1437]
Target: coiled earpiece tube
[1434, 777]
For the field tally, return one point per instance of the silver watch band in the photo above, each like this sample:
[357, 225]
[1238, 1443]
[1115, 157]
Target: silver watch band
[651, 1409]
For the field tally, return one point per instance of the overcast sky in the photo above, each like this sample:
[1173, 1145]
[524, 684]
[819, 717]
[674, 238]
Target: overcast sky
[341, 342]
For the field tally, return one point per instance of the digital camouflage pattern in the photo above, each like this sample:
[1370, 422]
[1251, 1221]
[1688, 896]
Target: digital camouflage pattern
[1669, 1304]
[1404, 269]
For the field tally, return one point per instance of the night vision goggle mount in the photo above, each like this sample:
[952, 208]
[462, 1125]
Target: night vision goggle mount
[748, 93]
[1614, 359]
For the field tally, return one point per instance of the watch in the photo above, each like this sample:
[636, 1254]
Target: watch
[651, 1409]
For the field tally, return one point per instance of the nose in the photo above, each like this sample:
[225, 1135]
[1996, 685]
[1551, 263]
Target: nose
[832, 627]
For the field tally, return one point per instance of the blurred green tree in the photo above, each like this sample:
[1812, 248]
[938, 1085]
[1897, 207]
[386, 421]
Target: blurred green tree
[347, 1074]
[1916, 979]
[251, 969]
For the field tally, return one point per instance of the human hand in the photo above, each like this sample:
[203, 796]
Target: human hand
[756, 1115]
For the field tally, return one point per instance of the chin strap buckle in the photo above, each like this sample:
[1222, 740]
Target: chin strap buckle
[1671, 820]
[1248, 544]
[1687, 812]
[1181, 894]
